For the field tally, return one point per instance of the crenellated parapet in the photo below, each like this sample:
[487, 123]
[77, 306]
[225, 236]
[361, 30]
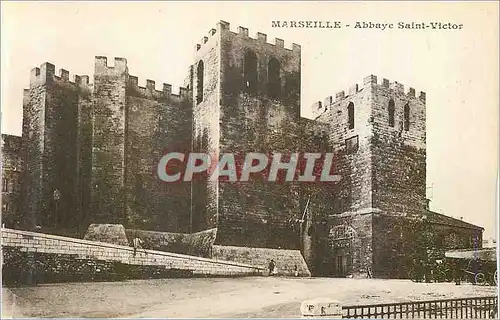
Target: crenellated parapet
[43, 74]
[212, 33]
[242, 32]
[261, 38]
[149, 91]
[46, 74]
[370, 81]
[82, 80]
[394, 86]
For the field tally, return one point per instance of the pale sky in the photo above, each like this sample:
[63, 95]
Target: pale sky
[458, 69]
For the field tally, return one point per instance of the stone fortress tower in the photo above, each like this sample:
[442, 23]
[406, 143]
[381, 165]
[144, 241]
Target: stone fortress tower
[380, 131]
[90, 152]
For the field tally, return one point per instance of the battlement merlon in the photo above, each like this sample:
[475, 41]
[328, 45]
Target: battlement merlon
[318, 105]
[64, 75]
[262, 37]
[102, 68]
[40, 75]
[82, 81]
[339, 95]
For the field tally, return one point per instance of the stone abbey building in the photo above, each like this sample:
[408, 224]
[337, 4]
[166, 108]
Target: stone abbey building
[89, 153]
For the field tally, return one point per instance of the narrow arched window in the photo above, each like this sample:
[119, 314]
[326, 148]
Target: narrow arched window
[350, 115]
[391, 110]
[273, 78]
[199, 82]
[407, 117]
[250, 72]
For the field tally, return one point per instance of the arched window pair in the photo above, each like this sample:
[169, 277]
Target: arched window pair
[406, 115]
[250, 75]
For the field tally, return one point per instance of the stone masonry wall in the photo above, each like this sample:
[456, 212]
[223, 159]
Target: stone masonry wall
[399, 156]
[262, 213]
[345, 245]
[286, 260]
[353, 161]
[11, 180]
[157, 122]
[193, 244]
[398, 242]
[37, 242]
[206, 127]
[32, 146]
[384, 169]
[51, 150]
[59, 153]
[394, 244]
[108, 194]
[62, 151]
[91, 151]
[351, 201]
[133, 127]
[257, 213]
[84, 151]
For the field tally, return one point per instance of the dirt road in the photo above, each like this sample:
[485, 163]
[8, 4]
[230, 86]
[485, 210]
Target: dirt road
[261, 297]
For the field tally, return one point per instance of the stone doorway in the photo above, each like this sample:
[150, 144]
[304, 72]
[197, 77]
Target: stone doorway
[339, 265]
[340, 240]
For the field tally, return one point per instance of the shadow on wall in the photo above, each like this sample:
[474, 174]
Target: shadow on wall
[195, 244]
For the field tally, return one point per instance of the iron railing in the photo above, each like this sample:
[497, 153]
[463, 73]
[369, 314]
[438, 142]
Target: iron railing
[466, 308]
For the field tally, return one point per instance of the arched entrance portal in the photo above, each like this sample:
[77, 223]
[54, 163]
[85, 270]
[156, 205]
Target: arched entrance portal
[340, 240]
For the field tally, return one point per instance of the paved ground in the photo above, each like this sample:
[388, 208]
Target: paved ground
[217, 297]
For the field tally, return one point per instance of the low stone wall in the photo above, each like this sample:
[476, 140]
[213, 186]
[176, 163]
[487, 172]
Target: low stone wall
[286, 260]
[109, 233]
[39, 243]
[195, 244]
[22, 267]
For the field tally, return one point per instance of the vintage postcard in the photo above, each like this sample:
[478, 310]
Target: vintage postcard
[249, 159]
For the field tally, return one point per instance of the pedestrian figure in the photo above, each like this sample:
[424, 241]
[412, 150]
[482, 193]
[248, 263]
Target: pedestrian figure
[272, 265]
[296, 271]
[369, 272]
[137, 242]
